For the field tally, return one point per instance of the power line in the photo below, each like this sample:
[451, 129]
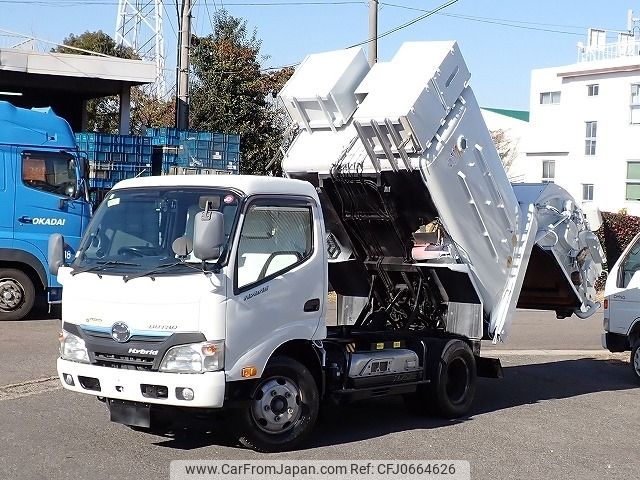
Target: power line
[500, 21]
[407, 24]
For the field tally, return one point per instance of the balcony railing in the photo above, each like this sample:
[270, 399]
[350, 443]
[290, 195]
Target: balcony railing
[608, 51]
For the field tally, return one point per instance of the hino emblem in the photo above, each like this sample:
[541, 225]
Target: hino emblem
[120, 332]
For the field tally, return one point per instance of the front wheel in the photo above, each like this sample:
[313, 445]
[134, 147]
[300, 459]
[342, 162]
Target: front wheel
[17, 294]
[635, 359]
[283, 408]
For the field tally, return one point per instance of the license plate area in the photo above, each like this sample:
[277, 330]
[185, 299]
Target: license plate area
[130, 413]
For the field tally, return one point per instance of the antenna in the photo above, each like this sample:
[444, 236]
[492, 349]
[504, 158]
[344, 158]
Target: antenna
[139, 26]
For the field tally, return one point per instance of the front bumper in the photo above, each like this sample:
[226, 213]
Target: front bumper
[208, 388]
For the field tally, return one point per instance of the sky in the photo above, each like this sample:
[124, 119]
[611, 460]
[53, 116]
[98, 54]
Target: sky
[501, 40]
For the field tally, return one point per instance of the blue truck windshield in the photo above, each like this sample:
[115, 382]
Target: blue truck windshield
[51, 172]
[133, 230]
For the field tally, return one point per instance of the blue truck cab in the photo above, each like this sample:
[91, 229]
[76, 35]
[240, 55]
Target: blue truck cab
[43, 190]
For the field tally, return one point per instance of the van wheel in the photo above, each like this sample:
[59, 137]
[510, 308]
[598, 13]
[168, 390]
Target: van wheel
[451, 368]
[635, 359]
[17, 294]
[282, 410]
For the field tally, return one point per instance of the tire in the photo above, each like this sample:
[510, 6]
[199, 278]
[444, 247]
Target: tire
[282, 410]
[17, 294]
[452, 370]
[635, 360]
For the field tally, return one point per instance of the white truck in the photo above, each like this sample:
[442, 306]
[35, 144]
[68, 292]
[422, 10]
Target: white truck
[621, 306]
[202, 293]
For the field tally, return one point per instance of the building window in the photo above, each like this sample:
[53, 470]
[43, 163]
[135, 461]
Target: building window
[587, 191]
[593, 90]
[635, 103]
[549, 98]
[590, 138]
[548, 171]
[633, 181]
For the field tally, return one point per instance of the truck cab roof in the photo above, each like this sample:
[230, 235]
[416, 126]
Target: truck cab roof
[247, 184]
[36, 127]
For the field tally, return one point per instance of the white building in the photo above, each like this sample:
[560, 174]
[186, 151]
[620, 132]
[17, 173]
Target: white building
[584, 131]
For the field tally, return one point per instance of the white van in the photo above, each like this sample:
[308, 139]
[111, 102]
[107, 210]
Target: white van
[622, 305]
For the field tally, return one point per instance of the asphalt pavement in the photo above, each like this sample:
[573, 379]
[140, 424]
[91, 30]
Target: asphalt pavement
[564, 409]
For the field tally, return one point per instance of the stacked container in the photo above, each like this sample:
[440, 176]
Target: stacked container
[189, 151]
[114, 157]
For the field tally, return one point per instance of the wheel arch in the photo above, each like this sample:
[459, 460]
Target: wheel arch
[26, 262]
[305, 352]
[634, 332]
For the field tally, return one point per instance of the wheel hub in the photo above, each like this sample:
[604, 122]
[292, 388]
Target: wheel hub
[636, 362]
[11, 294]
[276, 405]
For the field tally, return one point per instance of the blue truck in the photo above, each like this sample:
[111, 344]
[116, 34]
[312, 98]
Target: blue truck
[43, 190]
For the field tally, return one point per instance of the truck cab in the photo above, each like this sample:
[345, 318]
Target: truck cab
[42, 191]
[622, 306]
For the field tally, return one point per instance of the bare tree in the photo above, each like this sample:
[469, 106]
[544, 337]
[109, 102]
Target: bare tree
[507, 148]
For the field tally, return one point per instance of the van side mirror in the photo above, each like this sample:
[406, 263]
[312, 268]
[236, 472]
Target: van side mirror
[55, 253]
[208, 235]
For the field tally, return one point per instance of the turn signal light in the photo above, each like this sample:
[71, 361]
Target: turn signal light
[606, 303]
[249, 372]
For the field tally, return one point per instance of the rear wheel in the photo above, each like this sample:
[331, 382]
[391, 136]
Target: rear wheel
[452, 371]
[635, 359]
[283, 408]
[17, 294]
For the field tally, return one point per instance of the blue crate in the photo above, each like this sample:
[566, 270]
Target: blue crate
[102, 183]
[205, 136]
[233, 147]
[232, 157]
[233, 138]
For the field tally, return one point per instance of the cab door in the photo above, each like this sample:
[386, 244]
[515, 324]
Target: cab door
[7, 195]
[277, 281]
[46, 200]
[623, 289]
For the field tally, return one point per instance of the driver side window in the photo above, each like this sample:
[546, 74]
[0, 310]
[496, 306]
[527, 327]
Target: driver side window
[630, 265]
[273, 240]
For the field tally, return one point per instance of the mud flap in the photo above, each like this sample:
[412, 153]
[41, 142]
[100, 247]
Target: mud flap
[489, 367]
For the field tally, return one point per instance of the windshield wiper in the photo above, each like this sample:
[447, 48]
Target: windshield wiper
[160, 268]
[102, 265]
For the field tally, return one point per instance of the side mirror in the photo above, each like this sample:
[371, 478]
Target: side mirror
[55, 253]
[208, 235]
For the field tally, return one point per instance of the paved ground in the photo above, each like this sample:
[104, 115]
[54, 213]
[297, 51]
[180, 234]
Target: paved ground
[565, 409]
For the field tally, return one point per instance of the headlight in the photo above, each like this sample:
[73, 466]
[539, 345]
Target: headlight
[73, 348]
[194, 358]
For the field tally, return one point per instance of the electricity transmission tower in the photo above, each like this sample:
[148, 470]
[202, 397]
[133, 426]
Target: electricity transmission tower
[139, 26]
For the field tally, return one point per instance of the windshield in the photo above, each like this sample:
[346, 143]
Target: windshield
[133, 230]
[51, 172]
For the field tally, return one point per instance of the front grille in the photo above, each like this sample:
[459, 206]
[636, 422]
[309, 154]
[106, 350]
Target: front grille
[123, 361]
[134, 338]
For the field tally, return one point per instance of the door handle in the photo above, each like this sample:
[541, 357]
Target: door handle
[312, 305]
[25, 219]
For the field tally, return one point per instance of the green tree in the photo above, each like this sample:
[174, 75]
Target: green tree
[230, 92]
[103, 113]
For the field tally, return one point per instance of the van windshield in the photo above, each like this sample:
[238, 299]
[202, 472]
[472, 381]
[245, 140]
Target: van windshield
[133, 229]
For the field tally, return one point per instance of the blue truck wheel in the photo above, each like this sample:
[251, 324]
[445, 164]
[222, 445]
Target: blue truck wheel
[17, 294]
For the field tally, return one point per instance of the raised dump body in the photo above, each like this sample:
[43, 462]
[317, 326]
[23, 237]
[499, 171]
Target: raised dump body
[421, 218]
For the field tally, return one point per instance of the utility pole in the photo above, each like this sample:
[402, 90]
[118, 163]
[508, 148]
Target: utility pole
[373, 32]
[184, 48]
